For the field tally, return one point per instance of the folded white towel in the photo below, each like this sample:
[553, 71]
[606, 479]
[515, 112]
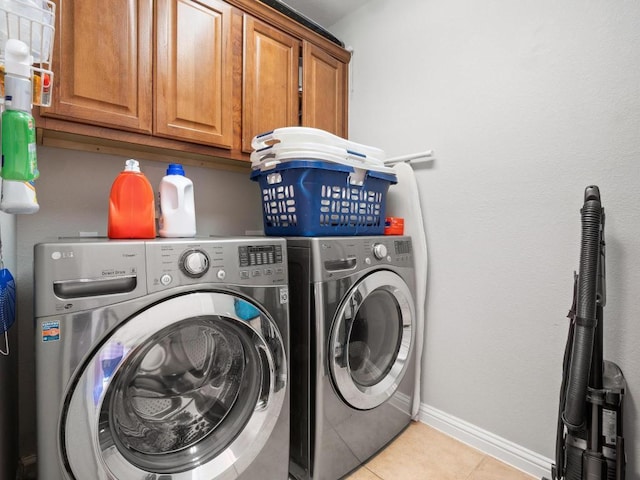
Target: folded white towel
[403, 200]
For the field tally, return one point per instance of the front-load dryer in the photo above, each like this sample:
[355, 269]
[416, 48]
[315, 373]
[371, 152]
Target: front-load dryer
[162, 359]
[352, 350]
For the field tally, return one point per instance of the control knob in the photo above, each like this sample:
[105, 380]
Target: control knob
[194, 263]
[379, 251]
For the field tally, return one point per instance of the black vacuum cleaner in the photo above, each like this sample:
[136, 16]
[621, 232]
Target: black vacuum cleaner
[589, 441]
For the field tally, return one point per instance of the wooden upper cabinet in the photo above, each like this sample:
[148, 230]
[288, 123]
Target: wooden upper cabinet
[194, 71]
[199, 76]
[271, 77]
[102, 61]
[324, 90]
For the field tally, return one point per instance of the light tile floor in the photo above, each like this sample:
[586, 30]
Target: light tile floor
[423, 453]
[420, 453]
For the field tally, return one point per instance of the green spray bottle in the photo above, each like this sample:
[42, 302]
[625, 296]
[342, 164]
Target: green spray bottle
[19, 160]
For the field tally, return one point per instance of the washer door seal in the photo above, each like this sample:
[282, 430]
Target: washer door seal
[371, 340]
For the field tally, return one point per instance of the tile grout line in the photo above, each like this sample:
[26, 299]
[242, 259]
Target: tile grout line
[374, 473]
[475, 469]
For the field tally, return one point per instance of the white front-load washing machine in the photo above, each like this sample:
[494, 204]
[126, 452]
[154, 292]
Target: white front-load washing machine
[162, 359]
[352, 350]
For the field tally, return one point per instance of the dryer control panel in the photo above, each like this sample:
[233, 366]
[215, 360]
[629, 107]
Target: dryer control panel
[337, 257]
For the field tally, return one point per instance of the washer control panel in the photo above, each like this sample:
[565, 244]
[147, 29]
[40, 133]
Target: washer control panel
[256, 261]
[256, 255]
[77, 274]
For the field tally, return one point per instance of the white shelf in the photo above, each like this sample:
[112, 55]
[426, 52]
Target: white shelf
[33, 23]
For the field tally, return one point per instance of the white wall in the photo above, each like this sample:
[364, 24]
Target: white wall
[525, 104]
[73, 192]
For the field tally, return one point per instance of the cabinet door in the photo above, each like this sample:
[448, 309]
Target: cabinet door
[102, 63]
[271, 80]
[194, 73]
[324, 91]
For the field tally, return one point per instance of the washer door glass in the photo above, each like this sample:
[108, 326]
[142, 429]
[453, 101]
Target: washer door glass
[371, 340]
[179, 387]
[176, 386]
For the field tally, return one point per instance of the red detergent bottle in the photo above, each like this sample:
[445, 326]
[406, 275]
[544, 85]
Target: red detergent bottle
[131, 205]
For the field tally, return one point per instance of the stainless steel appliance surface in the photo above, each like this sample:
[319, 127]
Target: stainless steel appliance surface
[162, 359]
[352, 350]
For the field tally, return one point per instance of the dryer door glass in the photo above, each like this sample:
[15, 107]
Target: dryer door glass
[371, 339]
[191, 387]
[374, 339]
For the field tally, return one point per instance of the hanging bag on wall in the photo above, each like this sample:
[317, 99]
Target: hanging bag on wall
[7, 300]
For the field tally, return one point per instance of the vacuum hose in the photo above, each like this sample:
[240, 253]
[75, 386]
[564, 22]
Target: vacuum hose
[574, 412]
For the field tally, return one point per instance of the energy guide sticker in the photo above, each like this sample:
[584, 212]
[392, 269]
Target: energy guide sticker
[51, 331]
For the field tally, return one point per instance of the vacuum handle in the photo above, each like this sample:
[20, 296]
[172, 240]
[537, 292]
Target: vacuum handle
[592, 192]
[583, 341]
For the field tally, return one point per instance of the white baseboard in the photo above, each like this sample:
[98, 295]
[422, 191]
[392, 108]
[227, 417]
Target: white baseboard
[487, 442]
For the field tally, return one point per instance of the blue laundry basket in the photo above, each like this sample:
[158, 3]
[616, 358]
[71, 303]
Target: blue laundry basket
[312, 198]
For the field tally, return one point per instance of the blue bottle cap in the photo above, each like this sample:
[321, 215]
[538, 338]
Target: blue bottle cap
[175, 169]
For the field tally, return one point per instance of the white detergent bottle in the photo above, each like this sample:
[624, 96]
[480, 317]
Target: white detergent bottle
[177, 204]
[18, 197]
